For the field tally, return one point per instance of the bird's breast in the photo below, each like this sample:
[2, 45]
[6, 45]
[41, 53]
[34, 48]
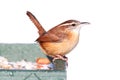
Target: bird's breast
[63, 47]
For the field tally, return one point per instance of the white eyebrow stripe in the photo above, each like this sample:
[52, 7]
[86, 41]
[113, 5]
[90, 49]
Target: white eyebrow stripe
[67, 24]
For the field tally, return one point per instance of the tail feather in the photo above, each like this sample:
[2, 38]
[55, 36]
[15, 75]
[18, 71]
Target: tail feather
[41, 30]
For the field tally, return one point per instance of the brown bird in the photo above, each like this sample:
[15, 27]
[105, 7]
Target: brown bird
[60, 40]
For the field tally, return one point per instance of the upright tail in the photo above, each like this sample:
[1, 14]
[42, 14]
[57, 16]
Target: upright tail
[41, 30]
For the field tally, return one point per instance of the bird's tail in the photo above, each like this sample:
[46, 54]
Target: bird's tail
[41, 30]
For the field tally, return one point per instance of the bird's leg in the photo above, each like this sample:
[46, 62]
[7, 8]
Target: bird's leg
[64, 58]
[60, 57]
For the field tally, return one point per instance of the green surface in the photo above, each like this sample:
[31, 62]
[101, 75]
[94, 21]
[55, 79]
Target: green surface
[17, 52]
[32, 75]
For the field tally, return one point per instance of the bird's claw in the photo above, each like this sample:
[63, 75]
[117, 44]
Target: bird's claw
[64, 58]
[60, 57]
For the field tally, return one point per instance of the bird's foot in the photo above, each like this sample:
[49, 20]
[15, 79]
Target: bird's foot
[64, 58]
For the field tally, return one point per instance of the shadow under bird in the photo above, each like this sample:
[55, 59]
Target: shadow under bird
[60, 40]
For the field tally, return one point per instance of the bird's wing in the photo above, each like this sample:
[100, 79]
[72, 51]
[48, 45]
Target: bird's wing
[36, 23]
[48, 38]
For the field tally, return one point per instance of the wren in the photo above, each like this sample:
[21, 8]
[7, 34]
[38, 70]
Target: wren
[59, 40]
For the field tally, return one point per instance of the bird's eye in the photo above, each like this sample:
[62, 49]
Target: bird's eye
[73, 24]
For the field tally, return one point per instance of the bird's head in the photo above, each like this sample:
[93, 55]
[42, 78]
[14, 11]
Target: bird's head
[73, 25]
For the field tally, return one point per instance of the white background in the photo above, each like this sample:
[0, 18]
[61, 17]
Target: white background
[96, 57]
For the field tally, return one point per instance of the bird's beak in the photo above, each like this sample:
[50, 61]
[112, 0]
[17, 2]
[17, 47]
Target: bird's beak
[84, 23]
